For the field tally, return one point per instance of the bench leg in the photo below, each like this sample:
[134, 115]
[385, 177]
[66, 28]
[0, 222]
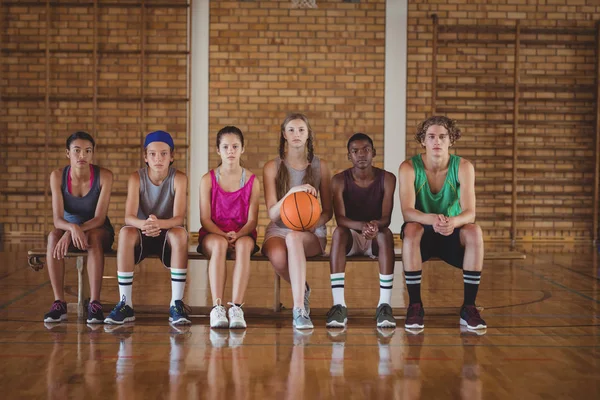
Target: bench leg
[83, 291]
[276, 296]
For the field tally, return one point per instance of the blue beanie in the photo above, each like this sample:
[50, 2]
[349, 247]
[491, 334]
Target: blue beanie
[159, 136]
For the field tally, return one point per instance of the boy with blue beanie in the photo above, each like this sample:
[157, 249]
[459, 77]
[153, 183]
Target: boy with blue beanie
[154, 215]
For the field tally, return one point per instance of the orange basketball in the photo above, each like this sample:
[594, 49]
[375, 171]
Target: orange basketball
[300, 211]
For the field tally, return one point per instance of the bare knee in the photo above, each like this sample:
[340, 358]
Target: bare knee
[245, 243]
[95, 238]
[177, 238]
[128, 236]
[278, 257]
[54, 236]
[413, 232]
[294, 239]
[341, 235]
[385, 238]
[471, 235]
[216, 245]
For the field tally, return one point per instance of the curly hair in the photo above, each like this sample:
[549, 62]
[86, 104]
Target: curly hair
[450, 124]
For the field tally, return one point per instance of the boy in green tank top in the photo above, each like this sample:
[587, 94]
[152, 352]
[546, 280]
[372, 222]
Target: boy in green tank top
[437, 196]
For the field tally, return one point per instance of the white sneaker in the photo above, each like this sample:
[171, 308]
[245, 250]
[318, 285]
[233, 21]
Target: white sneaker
[218, 316]
[236, 317]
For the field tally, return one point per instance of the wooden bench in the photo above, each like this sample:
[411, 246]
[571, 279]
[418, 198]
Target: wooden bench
[36, 261]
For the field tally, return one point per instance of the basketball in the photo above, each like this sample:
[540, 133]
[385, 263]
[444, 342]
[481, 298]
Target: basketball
[300, 211]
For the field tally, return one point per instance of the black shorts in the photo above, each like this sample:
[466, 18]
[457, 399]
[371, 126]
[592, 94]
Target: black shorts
[158, 246]
[448, 248]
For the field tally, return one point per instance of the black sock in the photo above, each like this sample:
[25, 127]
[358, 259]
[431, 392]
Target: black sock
[413, 285]
[471, 280]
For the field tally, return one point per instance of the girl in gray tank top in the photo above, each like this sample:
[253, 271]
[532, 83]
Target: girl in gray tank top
[286, 249]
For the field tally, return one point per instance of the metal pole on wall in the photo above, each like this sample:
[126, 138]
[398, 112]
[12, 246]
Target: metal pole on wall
[513, 225]
[47, 117]
[597, 170]
[434, 17]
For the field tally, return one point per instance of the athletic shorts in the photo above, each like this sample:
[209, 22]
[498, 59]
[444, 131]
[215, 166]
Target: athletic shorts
[158, 246]
[360, 245]
[448, 248]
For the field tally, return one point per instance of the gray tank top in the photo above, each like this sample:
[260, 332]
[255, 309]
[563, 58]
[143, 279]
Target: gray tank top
[296, 176]
[78, 210]
[157, 200]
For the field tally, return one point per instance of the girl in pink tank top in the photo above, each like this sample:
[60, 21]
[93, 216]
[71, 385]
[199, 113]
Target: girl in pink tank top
[229, 197]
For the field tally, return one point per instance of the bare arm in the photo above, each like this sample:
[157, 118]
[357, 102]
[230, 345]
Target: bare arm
[325, 190]
[337, 187]
[179, 204]
[133, 202]
[205, 206]
[389, 186]
[58, 207]
[252, 211]
[466, 177]
[406, 182]
[106, 180]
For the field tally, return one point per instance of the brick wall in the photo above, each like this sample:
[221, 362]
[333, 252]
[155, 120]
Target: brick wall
[475, 85]
[120, 119]
[268, 59]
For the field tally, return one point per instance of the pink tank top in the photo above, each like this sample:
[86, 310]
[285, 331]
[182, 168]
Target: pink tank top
[229, 210]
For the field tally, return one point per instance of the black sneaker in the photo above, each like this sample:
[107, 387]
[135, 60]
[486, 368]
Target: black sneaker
[178, 314]
[384, 316]
[120, 314]
[57, 313]
[414, 316]
[95, 314]
[337, 317]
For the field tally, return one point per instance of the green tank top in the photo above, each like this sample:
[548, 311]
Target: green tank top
[447, 200]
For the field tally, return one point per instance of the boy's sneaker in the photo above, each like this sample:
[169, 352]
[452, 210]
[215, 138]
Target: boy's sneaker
[469, 316]
[337, 317]
[120, 314]
[307, 299]
[301, 319]
[414, 316]
[384, 316]
[95, 314]
[57, 313]
[178, 313]
[236, 317]
[218, 317]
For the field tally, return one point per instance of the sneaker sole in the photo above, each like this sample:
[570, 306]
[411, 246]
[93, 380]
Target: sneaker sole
[95, 321]
[480, 326]
[237, 325]
[301, 327]
[414, 326]
[337, 324]
[180, 321]
[114, 322]
[386, 324]
[60, 319]
[220, 325]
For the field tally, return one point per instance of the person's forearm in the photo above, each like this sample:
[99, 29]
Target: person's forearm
[384, 222]
[349, 223]
[134, 221]
[464, 218]
[93, 223]
[62, 224]
[211, 227]
[247, 229]
[414, 215]
[170, 222]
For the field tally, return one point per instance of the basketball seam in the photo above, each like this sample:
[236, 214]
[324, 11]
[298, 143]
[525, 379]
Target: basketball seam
[311, 211]
[298, 211]
[286, 216]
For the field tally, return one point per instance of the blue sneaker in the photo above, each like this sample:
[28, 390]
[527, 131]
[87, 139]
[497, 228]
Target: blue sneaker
[120, 314]
[178, 314]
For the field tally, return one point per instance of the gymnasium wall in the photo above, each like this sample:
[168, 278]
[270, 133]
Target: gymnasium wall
[267, 59]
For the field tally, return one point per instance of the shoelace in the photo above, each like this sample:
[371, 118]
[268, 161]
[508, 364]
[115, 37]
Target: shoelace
[182, 308]
[337, 309]
[95, 307]
[303, 313]
[220, 310]
[236, 311]
[56, 306]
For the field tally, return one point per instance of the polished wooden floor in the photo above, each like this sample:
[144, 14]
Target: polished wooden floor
[543, 340]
